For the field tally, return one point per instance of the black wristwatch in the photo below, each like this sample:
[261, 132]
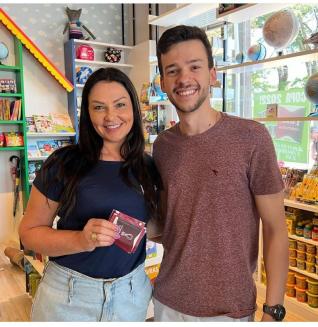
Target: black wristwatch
[277, 311]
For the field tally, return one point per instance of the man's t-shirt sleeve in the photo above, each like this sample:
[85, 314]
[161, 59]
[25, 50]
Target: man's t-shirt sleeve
[264, 174]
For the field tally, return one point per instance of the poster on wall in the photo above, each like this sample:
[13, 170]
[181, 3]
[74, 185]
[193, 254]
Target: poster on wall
[291, 138]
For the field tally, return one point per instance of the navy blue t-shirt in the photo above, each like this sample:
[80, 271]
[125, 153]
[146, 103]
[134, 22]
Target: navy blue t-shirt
[98, 193]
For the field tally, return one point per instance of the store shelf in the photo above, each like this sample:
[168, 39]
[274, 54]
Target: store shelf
[11, 148]
[161, 103]
[36, 264]
[303, 310]
[39, 135]
[304, 272]
[180, 14]
[80, 86]
[10, 122]
[249, 11]
[278, 61]
[37, 158]
[286, 119]
[300, 205]
[9, 68]
[302, 239]
[101, 63]
[101, 45]
[10, 95]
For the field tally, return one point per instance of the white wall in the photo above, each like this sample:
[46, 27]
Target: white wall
[44, 24]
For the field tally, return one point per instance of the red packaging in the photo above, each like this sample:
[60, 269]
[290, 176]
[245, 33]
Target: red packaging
[85, 52]
[131, 231]
[1, 139]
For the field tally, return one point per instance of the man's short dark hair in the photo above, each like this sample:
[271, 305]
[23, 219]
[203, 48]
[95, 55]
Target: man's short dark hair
[179, 34]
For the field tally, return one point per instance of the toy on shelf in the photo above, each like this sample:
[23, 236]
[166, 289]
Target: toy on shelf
[4, 52]
[311, 92]
[112, 55]
[74, 25]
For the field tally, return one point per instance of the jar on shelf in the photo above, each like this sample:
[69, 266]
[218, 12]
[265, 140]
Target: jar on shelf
[292, 262]
[301, 295]
[301, 255]
[301, 246]
[301, 281]
[312, 286]
[308, 231]
[310, 248]
[300, 230]
[315, 219]
[290, 290]
[292, 243]
[301, 264]
[314, 234]
[310, 267]
[310, 258]
[312, 300]
[291, 279]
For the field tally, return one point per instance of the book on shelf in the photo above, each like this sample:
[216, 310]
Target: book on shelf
[33, 168]
[30, 125]
[33, 150]
[61, 123]
[47, 147]
[43, 124]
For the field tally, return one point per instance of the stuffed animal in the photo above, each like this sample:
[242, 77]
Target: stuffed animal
[75, 26]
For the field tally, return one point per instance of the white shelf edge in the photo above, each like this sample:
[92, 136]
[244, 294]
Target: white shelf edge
[39, 135]
[291, 304]
[36, 264]
[302, 239]
[285, 118]
[104, 45]
[37, 158]
[304, 272]
[101, 63]
[162, 103]
[300, 205]
[307, 55]
[80, 86]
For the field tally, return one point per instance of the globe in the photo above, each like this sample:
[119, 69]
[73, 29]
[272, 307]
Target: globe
[256, 52]
[311, 89]
[4, 51]
[157, 87]
[280, 29]
[239, 58]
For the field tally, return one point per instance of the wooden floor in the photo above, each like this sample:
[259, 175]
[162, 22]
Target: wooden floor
[15, 303]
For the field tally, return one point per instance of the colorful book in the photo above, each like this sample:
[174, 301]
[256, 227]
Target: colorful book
[33, 150]
[30, 125]
[61, 123]
[43, 124]
[47, 147]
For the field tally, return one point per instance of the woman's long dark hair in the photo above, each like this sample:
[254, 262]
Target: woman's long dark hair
[75, 161]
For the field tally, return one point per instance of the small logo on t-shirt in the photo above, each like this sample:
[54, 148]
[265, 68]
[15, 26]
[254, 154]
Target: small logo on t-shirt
[215, 172]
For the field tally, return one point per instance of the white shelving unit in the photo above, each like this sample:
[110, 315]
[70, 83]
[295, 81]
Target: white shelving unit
[251, 66]
[102, 45]
[59, 135]
[304, 272]
[302, 239]
[101, 63]
[37, 158]
[300, 205]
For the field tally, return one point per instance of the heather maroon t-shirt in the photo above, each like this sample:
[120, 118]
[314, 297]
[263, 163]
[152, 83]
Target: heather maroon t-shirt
[211, 230]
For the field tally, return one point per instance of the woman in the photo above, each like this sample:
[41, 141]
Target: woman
[88, 277]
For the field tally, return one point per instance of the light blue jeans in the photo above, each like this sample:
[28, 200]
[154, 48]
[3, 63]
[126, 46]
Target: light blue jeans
[66, 295]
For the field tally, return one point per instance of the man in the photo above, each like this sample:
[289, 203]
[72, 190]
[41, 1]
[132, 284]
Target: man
[219, 175]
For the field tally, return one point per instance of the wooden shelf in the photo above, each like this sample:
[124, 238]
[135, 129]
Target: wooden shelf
[12, 148]
[101, 63]
[251, 66]
[300, 205]
[10, 95]
[180, 14]
[39, 135]
[9, 68]
[101, 45]
[292, 305]
[11, 122]
[304, 272]
[36, 264]
[286, 118]
[249, 11]
[302, 239]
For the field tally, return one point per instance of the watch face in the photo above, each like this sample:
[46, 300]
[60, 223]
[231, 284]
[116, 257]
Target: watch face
[279, 312]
